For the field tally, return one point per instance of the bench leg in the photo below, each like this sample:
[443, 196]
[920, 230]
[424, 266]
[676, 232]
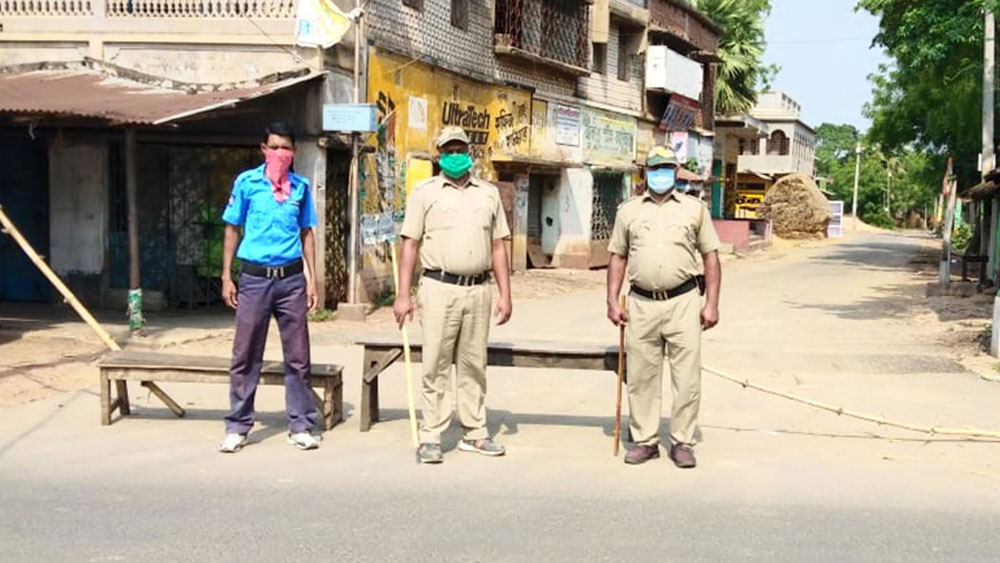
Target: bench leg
[105, 399]
[332, 405]
[369, 404]
[122, 390]
[162, 395]
[338, 403]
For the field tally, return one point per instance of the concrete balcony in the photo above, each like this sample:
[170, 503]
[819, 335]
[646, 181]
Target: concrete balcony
[773, 164]
[240, 22]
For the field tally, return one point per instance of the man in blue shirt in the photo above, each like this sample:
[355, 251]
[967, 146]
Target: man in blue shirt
[275, 208]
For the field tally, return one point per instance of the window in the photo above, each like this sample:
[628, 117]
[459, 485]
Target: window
[601, 58]
[623, 57]
[460, 14]
[749, 146]
[415, 4]
[778, 144]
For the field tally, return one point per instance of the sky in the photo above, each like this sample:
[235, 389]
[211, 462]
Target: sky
[823, 49]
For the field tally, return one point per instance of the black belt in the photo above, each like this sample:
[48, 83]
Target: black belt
[467, 281]
[272, 272]
[668, 293]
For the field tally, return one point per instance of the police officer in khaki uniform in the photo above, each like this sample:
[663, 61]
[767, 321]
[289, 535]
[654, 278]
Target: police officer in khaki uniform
[657, 239]
[457, 224]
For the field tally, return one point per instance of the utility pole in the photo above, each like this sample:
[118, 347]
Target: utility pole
[352, 239]
[857, 174]
[989, 101]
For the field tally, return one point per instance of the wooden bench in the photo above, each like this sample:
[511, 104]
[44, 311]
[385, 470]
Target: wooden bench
[147, 367]
[382, 352]
[967, 259]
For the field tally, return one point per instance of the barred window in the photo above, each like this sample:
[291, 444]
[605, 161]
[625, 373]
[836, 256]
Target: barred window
[607, 196]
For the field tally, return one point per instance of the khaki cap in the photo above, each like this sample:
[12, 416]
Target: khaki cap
[661, 155]
[452, 133]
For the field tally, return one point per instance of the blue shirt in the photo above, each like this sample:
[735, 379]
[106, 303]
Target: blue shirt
[272, 231]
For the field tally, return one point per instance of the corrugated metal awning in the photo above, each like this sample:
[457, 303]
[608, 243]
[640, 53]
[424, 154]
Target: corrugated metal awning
[91, 94]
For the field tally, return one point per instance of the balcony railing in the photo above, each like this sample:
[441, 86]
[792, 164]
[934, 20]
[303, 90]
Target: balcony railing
[256, 22]
[46, 7]
[152, 8]
[201, 8]
[553, 32]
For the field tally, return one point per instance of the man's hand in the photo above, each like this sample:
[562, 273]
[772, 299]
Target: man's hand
[503, 310]
[311, 297]
[616, 315]
[402, 309]
[709, 316]
[229, 292]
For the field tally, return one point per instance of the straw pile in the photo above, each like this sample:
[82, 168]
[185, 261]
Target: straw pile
[797, 209]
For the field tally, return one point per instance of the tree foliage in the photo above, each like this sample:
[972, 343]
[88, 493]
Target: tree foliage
[914, 185]
[741, 48]
[930, 97]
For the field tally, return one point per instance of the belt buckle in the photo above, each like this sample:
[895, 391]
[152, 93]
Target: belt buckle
[661, 295]
[463, 280]
[276, 272]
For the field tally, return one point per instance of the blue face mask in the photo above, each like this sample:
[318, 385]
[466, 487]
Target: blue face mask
[661, 180]
[683, 187]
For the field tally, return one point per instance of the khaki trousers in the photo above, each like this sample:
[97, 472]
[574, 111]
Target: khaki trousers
[675, 323]
[456, 326]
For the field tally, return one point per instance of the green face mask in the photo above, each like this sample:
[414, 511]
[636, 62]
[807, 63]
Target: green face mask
[455, 165]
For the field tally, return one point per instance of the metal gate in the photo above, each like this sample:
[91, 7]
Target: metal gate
[606, 198]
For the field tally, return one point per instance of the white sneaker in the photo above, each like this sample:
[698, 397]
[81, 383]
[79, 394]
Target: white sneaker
[233, 443]
[303, 441]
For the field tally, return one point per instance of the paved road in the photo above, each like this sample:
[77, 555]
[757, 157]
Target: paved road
[777, 481]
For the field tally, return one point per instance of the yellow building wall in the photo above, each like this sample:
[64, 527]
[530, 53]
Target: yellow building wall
[414, 102]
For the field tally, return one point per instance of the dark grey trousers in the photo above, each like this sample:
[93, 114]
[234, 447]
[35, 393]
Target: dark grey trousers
[259, 298]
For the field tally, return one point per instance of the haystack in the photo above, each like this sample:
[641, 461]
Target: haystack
[796, 208]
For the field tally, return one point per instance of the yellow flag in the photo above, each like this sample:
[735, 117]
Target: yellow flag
[320, 23]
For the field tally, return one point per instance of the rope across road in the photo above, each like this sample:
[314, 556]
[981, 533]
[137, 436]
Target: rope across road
[841, 411]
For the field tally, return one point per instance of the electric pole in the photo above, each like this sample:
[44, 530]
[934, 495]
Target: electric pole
[857, 174]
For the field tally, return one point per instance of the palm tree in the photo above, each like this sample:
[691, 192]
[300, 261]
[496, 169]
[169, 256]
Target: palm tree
[741, 48]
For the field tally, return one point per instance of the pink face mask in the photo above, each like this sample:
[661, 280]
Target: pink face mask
[276, 165]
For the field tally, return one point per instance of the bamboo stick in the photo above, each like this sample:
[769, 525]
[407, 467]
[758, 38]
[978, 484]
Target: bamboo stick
[53, 278]
[841, 411]
[406, 356]
[621, 373]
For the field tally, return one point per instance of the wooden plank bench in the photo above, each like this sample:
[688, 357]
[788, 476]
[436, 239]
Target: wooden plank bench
[967, 259]
[147, 367]
[380, 352]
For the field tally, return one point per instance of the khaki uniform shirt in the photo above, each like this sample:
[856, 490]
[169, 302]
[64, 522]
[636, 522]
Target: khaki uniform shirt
[663, 241]
[456, 226]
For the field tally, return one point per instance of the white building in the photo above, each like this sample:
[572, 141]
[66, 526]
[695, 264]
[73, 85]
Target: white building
[790, 143]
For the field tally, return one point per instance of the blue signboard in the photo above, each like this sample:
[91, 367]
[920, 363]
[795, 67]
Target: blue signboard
[349, 117]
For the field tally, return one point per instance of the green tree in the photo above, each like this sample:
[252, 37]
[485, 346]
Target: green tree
[741, 48]
[914, 186]
[929, 98]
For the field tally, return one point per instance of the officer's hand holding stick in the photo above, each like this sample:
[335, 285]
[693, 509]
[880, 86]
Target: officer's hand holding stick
[403, 310]
[621, 373]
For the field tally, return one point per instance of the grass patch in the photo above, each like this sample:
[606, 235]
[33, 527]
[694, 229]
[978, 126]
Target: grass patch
[321, 315]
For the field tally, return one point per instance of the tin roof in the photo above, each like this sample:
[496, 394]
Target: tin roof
[92, 94]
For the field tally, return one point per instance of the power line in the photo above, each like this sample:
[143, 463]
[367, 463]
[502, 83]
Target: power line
[820, 40]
